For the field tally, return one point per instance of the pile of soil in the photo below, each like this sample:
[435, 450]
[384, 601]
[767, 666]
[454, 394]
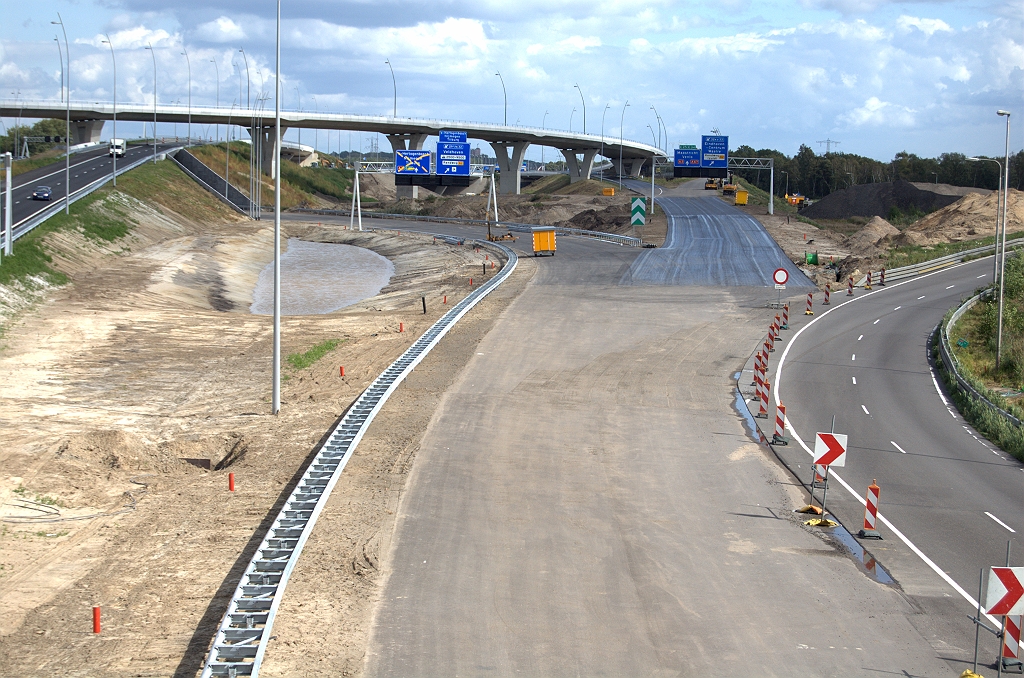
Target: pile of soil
[867, 240]
[971, 217]
[869, 200]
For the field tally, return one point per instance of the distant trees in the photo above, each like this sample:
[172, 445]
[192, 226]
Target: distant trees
[818, 175]
[43, 128]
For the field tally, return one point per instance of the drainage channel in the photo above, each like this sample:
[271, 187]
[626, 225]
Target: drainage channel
[242, 637]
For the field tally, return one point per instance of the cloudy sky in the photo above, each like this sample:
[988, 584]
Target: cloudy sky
[878, 76]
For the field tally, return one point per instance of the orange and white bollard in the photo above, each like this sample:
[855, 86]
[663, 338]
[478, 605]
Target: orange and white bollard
[780, 426]
[1011, 641]
[771, 341]
[849, 287]
[810, 304]
[828, 293]
[867, 285]
[882, 278]
[96, 619]
[757, 370]
[445, 302]
[871, 513]
[785, 317]
[765, 388]
[401, 327]
[342, 371]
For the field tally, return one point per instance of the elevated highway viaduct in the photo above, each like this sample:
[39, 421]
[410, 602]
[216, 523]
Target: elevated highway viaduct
[508, 141]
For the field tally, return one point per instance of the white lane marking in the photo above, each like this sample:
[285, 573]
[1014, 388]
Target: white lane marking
[983, 275]
[860, 337]
[865, 410]
[920, 297]
[854, 357]
[893, 443]
[856, 495]
[876, 322]
[897, 308]
[1000, 522]
[60, 171]
[952, 286]
[855, 381]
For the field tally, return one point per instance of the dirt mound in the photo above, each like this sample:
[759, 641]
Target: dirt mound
[610, 219]
[585, 187]
[548, 184]
[867, 239]
[871, 200]
[972, 216]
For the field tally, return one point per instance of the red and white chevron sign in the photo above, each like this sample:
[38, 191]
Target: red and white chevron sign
[830, 449]
[1004, 591]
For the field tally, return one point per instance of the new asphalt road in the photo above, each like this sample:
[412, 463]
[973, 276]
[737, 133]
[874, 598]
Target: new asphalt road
[86, 167]
[955, 498]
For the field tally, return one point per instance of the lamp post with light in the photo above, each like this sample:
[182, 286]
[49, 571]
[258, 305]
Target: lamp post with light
[67, 122]
[114, 137]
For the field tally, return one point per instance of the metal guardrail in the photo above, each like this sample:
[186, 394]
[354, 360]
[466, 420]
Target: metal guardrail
[949, 359]
[938, 262]
[27, 224]
[241, 641]
[507, 225]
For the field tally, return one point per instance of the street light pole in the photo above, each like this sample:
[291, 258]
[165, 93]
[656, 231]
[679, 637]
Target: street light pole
[999, 196]
[504, 92]
[543, 122]
[189, 65]
[570, 118]
[67, 122]
[606, 107]
[149, 46]
[276, 395]
[653, 165]
[787, 181]
[112, 59]
[217, 69]
[248, 83]
[394, 85]
[61, 54]
[658, 117]
[584, 108]
[1002, 265]
[299, 98]
[316, 130]
[621, 119]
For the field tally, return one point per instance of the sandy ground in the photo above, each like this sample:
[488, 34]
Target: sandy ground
[113, 380]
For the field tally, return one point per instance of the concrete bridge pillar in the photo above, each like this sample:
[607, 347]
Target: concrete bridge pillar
[579, 170]
[266, 150]
[630, 166]
[510, 168]
[407, 142]
[86, 131]
[637, 165]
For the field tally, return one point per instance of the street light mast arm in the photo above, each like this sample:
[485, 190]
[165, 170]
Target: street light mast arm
[505, 93]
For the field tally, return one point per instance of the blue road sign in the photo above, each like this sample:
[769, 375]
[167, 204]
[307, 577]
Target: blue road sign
[449, 137]
[453, 158]
[714, 151]
[412, 162]
[687, 157]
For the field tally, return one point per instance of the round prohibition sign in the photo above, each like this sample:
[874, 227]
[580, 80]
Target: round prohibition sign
[780, 276]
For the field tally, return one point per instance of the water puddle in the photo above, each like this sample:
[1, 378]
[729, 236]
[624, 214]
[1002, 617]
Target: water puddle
[321, 278]
[740, 405]
[865, 561]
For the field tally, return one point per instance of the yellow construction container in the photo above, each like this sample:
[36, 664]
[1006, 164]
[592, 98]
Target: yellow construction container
[741, 197]
[607, 191]
[543, 241]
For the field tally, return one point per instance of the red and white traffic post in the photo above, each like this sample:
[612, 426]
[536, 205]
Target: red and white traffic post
[849, 287]
[1011, 642]
[881, 277]
[828, 293]
[871, 513]
[1002, 597]
[810, 304]
[867, 285]
[765, 389]
[785, 317]
[780, 426]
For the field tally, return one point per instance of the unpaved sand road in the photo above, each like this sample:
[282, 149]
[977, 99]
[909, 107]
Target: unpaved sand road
[111, 381]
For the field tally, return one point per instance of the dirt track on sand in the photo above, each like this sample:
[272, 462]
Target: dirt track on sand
[116, 378]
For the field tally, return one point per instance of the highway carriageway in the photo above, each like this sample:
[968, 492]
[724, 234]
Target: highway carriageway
[953, 495]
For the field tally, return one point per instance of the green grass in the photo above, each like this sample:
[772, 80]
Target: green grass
[36, 161]
[301, 361]
[758, 196]
[916, 254]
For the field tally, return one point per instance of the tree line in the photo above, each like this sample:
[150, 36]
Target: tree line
[815, 176]
[12, 140]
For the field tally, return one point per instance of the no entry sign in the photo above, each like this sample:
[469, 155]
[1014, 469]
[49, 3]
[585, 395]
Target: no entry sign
[1004, 591]
[781, 276]
[830, 449]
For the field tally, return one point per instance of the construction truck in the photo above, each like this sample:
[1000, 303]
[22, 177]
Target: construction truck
[710, 185]
[729, 189]
[796, 200]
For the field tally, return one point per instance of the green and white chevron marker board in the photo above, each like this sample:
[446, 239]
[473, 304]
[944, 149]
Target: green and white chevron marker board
[638, 212]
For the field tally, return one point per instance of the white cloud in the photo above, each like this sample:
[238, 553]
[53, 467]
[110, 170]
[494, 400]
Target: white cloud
[927, 26]
[221, 29]
[731, 45]
[878, 113]
[578, 43]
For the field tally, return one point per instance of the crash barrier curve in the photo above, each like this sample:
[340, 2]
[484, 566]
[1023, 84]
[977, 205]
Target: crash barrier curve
[912, 270]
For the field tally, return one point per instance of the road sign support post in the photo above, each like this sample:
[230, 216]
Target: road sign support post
[8, 220]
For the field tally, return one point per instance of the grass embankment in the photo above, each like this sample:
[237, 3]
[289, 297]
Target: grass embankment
[299, 185]
[36, 161]
[100, 216]
[916, 254]
[757, 196]
[973, 342]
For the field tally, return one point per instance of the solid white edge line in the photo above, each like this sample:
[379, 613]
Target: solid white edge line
[796, 436]
[1000, 522]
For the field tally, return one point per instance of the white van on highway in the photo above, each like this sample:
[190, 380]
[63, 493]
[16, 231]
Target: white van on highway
[117, 147]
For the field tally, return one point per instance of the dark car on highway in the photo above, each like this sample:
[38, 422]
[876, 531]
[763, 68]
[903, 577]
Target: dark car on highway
[41, 193]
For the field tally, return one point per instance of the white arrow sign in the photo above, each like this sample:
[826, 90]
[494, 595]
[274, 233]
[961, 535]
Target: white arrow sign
[1004, 591]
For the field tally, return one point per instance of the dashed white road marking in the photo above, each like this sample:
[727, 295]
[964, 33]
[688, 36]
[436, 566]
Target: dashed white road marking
[865, 410]
[1000, 522]
[893, 443]
[951, 287]
[897, 308]
[876, 322]
[860, 337]
[983, 275]
[920, 297]
[855, 381]
[854, 357]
